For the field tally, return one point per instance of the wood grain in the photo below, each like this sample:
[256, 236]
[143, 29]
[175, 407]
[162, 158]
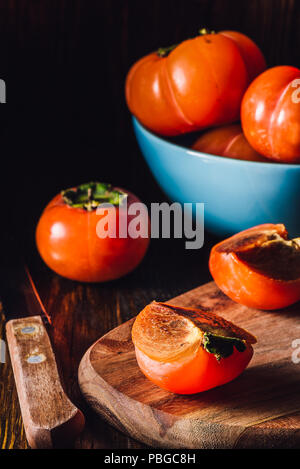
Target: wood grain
[50, 419]
[256, 409]
[82, 313]
[12, 433]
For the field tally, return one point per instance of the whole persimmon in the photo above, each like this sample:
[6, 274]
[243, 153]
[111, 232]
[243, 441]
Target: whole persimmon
[228, 141]
[78, 242]
[194, 85]
[270, 114]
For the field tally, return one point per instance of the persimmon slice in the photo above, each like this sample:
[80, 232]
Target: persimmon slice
[259, 267]
[188, 350]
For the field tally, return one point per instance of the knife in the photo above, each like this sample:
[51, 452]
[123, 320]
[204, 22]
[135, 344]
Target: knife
[50, 419]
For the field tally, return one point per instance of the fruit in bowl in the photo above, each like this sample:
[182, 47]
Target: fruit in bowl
[194, 85]
[270, 114]
[236, 193]
[228, 141]
[173, 93]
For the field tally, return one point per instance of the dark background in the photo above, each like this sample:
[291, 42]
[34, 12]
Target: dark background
[65, 63]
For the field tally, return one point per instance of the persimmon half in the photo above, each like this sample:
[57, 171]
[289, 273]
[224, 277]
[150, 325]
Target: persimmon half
[258, 267]
[186, 351]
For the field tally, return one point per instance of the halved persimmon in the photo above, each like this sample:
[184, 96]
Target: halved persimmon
[186, 350]
[258, 267]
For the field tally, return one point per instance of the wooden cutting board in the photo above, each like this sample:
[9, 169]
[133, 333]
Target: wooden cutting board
[259, 409]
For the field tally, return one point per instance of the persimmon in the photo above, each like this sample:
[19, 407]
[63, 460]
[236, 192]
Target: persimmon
[197, 84]
[270, 114]
[69, 240]
[258, 267]
[228, 141]
[186, 350]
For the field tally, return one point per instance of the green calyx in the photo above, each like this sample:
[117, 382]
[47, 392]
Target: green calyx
[221, 346]
[204, 31]
[165, 51]
[89, 196]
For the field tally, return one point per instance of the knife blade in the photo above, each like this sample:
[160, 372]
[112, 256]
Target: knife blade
[50, 419]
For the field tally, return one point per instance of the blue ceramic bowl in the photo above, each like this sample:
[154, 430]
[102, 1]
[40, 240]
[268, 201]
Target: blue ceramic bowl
[237, 194]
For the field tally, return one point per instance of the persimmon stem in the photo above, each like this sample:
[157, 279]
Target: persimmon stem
[165, 51]
[221, 346]
[204, 31]
[89, 196]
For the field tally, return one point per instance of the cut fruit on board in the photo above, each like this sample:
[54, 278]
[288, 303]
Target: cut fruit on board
[259, 409]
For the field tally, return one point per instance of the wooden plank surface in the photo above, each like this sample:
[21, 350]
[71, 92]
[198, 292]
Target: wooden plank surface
[83, 313]
[224, 417]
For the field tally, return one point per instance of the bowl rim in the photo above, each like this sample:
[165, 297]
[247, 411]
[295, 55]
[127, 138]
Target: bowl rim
[211, 156]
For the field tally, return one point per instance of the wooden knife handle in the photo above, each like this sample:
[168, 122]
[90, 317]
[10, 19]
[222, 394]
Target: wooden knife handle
[50, 419]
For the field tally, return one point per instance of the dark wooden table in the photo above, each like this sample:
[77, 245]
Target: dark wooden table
[82, 313]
